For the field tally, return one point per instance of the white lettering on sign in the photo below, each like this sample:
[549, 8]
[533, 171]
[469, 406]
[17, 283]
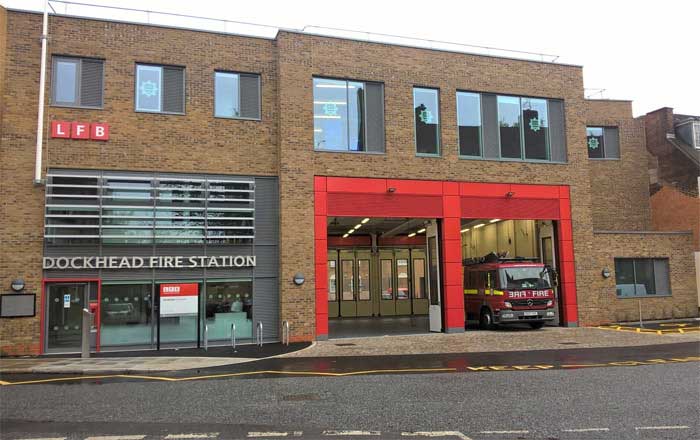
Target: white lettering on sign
[156, 262]
[529, 293]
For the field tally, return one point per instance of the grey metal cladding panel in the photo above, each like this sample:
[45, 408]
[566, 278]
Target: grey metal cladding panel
[126, 274]
[612, 142]
[489, 110]
[74, 274]
[178, 274]
[71, 251]
[250, 96]
[266, 306]
[127, 251]
[173, 90]
[230, 272]
[266, 261]
[557, 130]
[266, 211]
[184, 250]
[91, 83]
[220, 250]
[375, 117]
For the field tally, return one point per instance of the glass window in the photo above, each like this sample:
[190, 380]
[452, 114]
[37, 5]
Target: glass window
[363, 279]
[418, 278]
[332, 281]
[535, 128]
[66, 86]
[387, 276]
[469, 123]
[348, 293]
[356, 116]
[148, 88]
[509, 126]
[402, 279]
[229, 302]
[226, 96]
[126, 314]
[523, 278]
[696, 130]
[427, 121]
[595, 142]
[642, 277]
[330, 114]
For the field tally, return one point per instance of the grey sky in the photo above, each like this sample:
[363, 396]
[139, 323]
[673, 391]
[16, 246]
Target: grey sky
[645, 51]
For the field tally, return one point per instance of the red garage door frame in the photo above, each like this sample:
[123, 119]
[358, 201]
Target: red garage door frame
[450, 202]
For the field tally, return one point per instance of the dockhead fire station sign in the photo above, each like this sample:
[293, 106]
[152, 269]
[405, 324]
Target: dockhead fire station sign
[155, 262]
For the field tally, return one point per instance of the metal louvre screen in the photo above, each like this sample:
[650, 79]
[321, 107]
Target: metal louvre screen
[489, 111]
[612, 142]
[378, 205]
[375, 117]
[111, 208]
[250, 96]
[173, 89]
[91, 83]
[557, 130]
[524, 209]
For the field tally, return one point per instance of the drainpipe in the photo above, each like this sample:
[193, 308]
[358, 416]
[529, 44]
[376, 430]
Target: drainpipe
[42, 86]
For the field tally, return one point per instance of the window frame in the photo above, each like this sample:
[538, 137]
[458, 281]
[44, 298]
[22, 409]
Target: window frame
[481, 126]
[522, 157]
[415, 128]
[238, 73]
[634, 271]
[696, 135]
[55, 58]
[605, 157]
[162, 95]
[348, 150]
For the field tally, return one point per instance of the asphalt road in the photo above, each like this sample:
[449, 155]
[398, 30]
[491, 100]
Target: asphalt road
[636, 402]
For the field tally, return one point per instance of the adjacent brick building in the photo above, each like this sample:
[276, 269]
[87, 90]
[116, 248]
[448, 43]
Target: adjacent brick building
[270, 141]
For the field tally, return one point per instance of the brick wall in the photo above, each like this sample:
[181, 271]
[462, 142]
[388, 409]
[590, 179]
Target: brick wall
[674, 211]
[603, 305]
[620, 188]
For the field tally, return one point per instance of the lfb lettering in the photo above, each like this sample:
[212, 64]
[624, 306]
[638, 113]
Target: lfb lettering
[97, 131]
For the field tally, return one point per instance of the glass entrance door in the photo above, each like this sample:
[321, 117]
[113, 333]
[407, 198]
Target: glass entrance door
[433, 251]
[178, 314]
[64, 309]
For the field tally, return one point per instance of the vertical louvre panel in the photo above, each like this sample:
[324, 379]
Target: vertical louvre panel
[91, 83]
[612, 142]
[250, 96]
[557, 130]
[661, 277]
[173, 90]
[489, 111]
[375, 116]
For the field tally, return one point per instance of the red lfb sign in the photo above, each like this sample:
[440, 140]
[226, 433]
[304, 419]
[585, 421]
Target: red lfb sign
[97, 131]
[185, 289]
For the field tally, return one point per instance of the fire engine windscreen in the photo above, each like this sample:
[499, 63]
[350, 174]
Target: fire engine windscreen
[525, 278]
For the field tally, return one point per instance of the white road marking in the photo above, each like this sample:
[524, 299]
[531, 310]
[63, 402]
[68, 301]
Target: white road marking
[505, 432]
[46, 438]
[457, 434]
[297, 433]
[256, 434]
[638, 428]
[587, 430]
[117, 437]
[366, 433]
[193, 435]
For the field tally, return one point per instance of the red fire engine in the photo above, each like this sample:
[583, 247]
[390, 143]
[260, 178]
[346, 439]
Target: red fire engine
[508, 291]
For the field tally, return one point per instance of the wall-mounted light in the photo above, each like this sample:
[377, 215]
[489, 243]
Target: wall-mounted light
[605, 272]
[510, 194]
[299, 279]
[391, 189]
[17, 284]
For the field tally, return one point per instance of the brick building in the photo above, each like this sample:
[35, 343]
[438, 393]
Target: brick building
[205, 180]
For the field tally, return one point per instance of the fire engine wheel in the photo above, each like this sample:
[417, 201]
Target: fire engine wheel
[485, 319]
[536, 325]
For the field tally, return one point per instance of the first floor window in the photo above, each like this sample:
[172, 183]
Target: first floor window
[509, 126]
[427, 121]
[160, 89]
[642, 277]
[236, 95]
[77, 82]
[602, 142]
[523, 128]
[469, 123]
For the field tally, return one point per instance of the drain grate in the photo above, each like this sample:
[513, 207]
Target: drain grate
[345, 344]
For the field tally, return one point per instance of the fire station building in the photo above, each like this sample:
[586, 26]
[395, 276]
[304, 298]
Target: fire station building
[194, 182]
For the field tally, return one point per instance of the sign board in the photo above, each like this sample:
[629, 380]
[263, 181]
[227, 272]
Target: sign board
[66, 301]
[17, 305]
[96, 131]
[155, 262]
[179, 299]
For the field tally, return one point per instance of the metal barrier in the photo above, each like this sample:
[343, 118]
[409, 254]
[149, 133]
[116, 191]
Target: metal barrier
[233, 336]
[87, 323]
[206, 338]
[285, 332]
[259, 335]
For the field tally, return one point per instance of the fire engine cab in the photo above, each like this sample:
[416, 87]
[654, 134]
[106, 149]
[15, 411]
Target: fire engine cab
[508, 291]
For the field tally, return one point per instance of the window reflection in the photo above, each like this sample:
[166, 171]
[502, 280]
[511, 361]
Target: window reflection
[332, 281]
[126, 314]
[535, 128]
[363, 279]
[595, 142]
[402, 279]
[387, 277]
[509, 126]
[419, 278]
[469, 123]
[348, 284]
[427, 121]
[229, 302]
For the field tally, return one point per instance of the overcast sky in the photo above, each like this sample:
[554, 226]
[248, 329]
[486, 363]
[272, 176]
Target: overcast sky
[648, 52]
